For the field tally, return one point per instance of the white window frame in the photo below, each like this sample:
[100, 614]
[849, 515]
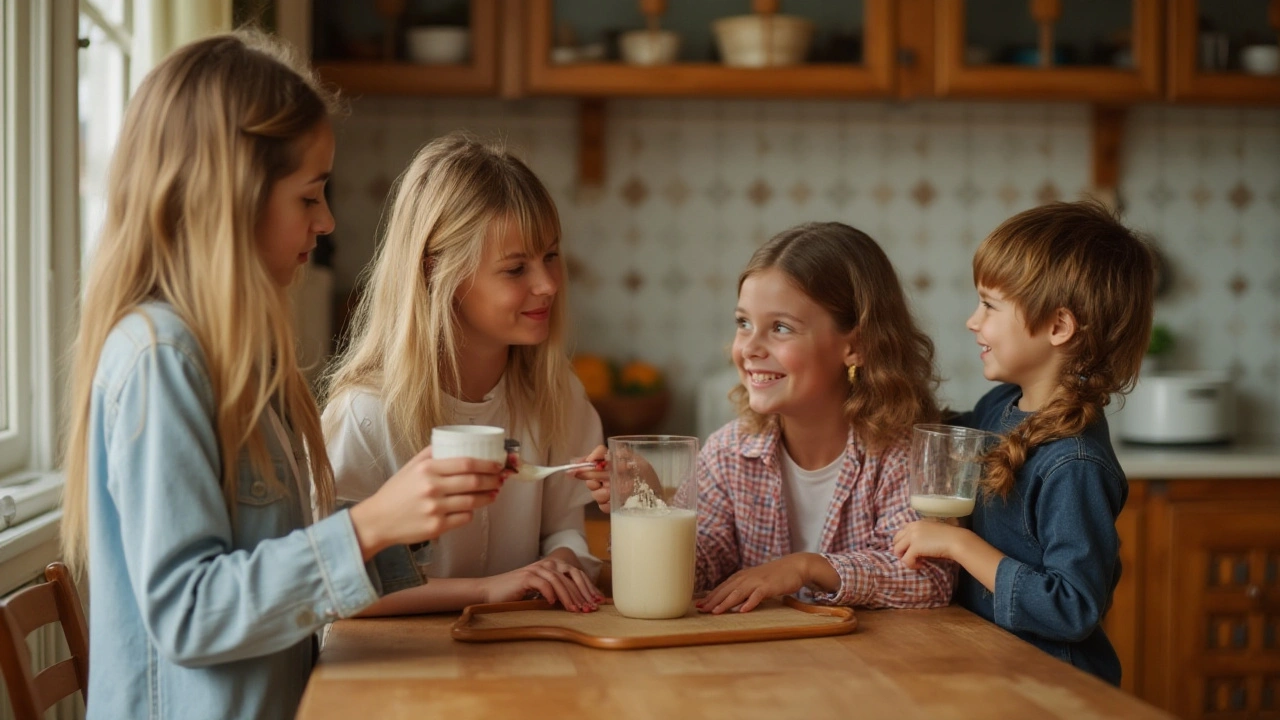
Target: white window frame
[41, 241]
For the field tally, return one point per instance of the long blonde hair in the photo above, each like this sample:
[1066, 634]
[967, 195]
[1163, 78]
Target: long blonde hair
[843, 270]
[405, 340]
[1079, 257]
[209, 132]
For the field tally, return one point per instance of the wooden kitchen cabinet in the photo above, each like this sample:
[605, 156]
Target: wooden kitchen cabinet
[1205, 42]
[1196, 617]
[867, 27]
[341, 53]
[1089, 50]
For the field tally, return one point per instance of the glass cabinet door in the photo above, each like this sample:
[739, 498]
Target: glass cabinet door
[1052, 49]
[1225, 51]
[408, 47]
[710, 47]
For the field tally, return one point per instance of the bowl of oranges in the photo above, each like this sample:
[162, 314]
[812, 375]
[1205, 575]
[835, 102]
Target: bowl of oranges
[631, 397]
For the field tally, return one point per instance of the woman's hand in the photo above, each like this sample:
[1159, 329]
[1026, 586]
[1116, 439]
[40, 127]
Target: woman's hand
[928, 539]
[597, 478]
[748, 588]
[552, 578]
[425, 499]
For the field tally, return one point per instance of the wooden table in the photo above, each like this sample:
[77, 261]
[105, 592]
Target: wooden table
[899, 664]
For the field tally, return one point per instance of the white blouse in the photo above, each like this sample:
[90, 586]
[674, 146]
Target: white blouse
[527, 521]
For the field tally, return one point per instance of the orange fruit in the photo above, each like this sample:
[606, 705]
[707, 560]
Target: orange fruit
[595, 373]
[639, 378]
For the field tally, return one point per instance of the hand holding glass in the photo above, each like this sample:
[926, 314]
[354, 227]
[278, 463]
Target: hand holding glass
[946, 467]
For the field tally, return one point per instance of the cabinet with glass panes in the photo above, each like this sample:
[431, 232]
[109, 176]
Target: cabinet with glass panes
[1093, 50]
[716, 48]
[407, 47]
[1224, 51]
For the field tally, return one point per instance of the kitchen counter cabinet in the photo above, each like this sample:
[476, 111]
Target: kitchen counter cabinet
[1196, 616]
[898, 665]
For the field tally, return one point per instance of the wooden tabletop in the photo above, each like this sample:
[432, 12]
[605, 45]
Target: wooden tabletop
[900, 664]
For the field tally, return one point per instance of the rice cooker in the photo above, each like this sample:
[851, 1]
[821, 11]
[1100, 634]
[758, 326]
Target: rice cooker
[1180, 408]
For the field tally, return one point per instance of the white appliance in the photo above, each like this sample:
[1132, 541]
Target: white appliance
[1180, 408]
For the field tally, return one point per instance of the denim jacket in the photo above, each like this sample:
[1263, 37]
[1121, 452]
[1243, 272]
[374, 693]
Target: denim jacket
[1057, 531]
[196, 612]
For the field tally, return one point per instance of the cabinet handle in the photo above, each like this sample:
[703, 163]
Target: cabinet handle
[1253, 592]
[906, 57]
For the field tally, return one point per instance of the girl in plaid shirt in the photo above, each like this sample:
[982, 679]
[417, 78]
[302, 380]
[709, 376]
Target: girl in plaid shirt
[804, 491]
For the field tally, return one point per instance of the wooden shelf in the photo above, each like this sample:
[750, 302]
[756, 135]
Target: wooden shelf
[1187, 83]
[381, 78]
[872, 78]
[1077, 83]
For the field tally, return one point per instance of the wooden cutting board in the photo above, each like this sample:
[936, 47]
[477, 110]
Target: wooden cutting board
[775, 619]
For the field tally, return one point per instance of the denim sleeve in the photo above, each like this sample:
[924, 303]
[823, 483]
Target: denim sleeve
[203, 601]
[1064, 600]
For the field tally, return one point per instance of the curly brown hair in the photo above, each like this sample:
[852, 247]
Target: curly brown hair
[847, 273]
[1078, 257]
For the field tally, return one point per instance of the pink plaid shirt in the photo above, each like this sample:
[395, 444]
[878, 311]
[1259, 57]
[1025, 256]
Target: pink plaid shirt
[742, 521]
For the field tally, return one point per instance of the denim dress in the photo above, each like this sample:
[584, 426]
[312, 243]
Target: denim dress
[197, 612]
[1057, 531]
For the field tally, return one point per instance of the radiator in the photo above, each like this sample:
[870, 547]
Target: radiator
[47, 647]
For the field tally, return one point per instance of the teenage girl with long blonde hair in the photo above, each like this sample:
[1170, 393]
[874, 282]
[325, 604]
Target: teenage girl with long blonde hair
[463, 322]
[1065, 296]
[195, 453]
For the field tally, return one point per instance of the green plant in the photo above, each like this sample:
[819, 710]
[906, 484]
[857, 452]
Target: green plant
[1161, 341]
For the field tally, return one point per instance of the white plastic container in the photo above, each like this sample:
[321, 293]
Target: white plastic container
[763, 40]
[1180, 408]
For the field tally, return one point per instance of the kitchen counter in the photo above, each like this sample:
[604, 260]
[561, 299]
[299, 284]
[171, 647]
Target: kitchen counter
[1240, 460]
[899, 665]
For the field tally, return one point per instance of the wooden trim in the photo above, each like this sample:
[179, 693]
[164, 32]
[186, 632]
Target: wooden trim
[512, 24]
[872, 79]
[591, 132]
[1248, 490]
[480, 77]
[954, 78]
[1122, 623]
[915, 33]
[1153, 682]
[1188, 84]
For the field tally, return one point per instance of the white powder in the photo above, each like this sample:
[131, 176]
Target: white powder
[644, 499]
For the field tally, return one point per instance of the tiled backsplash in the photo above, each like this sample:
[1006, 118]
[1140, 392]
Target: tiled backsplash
[693, 187]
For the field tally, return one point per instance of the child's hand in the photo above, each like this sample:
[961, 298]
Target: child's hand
[552, 578]
[927, 539]
[748, 588]
[597, 478]
[426, 499]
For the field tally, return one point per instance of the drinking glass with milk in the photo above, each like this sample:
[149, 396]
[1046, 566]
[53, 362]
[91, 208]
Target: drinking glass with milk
[653, 524]
[946, 467]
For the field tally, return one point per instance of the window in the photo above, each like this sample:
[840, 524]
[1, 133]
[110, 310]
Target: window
[39, 272]
[106, 28]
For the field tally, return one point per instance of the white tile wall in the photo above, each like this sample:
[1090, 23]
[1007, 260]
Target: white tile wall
[693, 187]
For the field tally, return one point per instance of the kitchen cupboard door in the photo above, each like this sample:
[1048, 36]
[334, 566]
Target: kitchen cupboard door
[1223, 612]
[1224, 51]
[365, 52]
[577, 48]
[1090, 50]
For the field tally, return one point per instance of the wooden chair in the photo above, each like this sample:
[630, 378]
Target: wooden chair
[23, 613]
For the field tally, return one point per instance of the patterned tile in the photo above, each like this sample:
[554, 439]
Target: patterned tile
[883, 193]
[1274, 197]
[1160, 194]
[1047, 193]
[923, 193]
[968, 193]
[759, 192]
[1238, 284]
[719, 192]
[1009, 194]
[635, 191]
[800, 193]
[922, 282]
[1240, 196]
[633, 281]
[674, 281]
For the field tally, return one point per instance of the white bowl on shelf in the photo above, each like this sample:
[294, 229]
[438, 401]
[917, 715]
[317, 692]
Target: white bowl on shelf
[649, 47]
[1260, 59]
[438, 44]
[763, 41]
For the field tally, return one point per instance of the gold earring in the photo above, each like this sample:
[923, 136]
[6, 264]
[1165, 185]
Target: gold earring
[853, 374]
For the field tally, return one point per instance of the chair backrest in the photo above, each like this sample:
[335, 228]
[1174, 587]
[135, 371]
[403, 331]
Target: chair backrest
[26, 611]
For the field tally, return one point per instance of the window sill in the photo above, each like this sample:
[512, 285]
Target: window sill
[26, 548]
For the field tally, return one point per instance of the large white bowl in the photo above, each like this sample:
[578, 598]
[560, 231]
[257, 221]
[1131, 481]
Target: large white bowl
[763, 41]
[438, 44]
[649, 47]
[1260, 59]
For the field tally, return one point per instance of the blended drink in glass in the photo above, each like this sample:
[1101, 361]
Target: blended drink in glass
[653, 524]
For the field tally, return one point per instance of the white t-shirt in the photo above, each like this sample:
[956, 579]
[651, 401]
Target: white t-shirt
[527, 521]
[808, 496]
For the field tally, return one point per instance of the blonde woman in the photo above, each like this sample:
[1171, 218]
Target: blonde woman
[195, 446]
[463, 322]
